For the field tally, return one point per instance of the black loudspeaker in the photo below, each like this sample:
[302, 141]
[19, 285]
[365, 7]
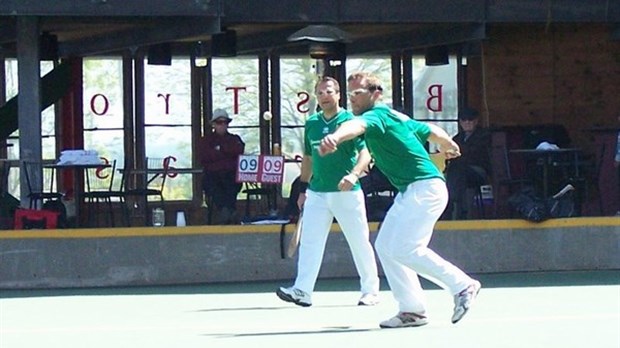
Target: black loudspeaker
[437, 55]
[224, 44]
[48, 46]
[160, 54]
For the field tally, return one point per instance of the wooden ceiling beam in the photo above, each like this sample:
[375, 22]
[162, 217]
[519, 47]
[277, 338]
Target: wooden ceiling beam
[133, 8]
[161, 30]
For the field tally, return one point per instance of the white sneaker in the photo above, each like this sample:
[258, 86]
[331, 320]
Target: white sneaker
[404, 319]
[464, 299]
[294, 295]
[368, 300]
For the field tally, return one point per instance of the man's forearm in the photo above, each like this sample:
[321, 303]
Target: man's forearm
[306, 169]
[363, 160]
[349, 130]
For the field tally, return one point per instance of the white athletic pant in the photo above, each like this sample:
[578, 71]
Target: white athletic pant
[402, 245]
[349, 210]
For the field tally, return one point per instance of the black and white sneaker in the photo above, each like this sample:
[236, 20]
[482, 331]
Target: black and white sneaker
[294, 295]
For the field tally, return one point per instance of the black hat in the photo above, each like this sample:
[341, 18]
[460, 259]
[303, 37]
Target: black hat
[468, 114]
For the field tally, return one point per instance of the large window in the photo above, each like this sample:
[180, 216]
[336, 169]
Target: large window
[48, 137]
[48, 123]
[235, 89]
[103, 109]
[299, 75]
[168, 127]
[435, 94]
[167, 120]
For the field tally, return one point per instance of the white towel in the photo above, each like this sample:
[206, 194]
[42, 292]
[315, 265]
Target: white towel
[547, 146]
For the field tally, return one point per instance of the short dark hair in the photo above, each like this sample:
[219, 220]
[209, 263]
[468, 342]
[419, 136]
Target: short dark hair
[327, 79]
[372, 82]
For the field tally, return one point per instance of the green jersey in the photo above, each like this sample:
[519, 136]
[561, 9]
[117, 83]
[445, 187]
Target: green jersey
[327, 171]
[396, 142]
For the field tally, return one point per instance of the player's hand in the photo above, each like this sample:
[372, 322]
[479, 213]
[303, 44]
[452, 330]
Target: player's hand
[328, 145]
[452, 154]
[301, 200]
[451, 150]
[347, 182]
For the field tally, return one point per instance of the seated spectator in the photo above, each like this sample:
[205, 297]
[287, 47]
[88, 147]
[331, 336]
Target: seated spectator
[471, 169]
[220, 152]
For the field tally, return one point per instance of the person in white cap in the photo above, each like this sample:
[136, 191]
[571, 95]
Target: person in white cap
[220, 152]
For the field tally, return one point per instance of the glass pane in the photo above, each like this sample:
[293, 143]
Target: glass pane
[298, 102]
[250, 138]
[168, 121]
[165, 141]
[435, 94]
[381, 67]
[299, 75]
[103, 110]
[103, 94]
[435, 91]
[48, 121]
[167, 94]
[10, 70]
[235, 89]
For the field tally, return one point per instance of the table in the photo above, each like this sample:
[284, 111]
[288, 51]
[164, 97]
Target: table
[148, 182]
[78, 181]
[551, 158]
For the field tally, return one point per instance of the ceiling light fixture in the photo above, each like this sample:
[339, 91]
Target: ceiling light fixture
[325, 41]
[201, 58]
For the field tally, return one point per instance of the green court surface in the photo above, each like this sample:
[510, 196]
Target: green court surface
[524, 310]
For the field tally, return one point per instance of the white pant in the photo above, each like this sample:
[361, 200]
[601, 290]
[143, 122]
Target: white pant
[349, 210]
[402, 245]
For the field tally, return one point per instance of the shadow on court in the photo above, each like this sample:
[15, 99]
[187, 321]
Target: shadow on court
[559, 309]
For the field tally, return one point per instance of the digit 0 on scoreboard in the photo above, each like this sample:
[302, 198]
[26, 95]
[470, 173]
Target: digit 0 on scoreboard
[261, 169]
[247, 168]
[273, 164]
[272, 170]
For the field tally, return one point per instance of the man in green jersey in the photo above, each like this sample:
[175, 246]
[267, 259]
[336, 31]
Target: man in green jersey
[333, 190]
[396, 143]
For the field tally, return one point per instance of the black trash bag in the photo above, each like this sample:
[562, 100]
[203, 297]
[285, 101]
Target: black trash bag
[529, 206]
